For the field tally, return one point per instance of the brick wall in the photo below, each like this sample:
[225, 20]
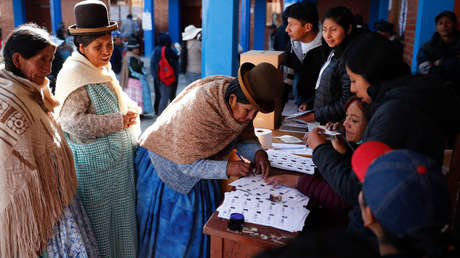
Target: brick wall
[68, 16]
[409, 34]
[6, 18]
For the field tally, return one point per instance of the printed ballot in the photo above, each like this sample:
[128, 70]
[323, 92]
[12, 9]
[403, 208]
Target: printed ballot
[281, 207]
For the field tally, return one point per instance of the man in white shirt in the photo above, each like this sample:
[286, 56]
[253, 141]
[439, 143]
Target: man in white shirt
[304, 56]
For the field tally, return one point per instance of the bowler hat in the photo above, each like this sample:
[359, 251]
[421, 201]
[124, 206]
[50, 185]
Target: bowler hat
[261, 84]
[91, 17]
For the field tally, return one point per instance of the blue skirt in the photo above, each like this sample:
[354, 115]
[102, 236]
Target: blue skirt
[171, 223]
[72, 234]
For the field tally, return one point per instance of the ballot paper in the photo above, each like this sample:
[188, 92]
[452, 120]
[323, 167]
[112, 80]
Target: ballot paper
[254, 199]
[299, 114]
[289, 108]
[298, 149]
[288, 161]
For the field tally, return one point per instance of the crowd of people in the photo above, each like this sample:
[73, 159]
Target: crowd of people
[78, 179]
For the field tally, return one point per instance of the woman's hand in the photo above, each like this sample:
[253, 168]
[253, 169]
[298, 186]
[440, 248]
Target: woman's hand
[339, 144]
[129, 119]
[310, 117]
[261, 163]
[302, 107]
[285, 179]
[337, 127]
[238, 168]
[315, 138]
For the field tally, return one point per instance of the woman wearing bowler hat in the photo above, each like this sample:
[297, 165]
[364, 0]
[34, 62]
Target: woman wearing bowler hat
[99, 122]
[183, 155]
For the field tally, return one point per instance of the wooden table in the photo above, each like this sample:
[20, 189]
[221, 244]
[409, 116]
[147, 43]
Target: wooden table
[253, 239]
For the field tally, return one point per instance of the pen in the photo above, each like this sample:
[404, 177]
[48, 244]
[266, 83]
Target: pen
[239, 156]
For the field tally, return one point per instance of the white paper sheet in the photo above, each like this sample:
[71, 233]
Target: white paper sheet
[287, 161]
[299, 149]
[252, 199]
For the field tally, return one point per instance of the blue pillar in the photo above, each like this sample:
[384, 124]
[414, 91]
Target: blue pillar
[149, 27]
[220, 37]
[19, 12]
[425, 26]
[383, 9]
[56, 15]
[245, 25]
[174, 20]
[259, 24]
[378, 11]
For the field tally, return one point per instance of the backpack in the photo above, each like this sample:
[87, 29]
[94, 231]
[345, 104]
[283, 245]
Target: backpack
[165, 70]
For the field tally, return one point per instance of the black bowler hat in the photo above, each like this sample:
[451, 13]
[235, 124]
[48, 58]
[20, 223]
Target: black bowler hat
[91, 17]
[261, 84]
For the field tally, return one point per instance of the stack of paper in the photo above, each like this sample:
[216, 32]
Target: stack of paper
[281, 207]
[287, 161]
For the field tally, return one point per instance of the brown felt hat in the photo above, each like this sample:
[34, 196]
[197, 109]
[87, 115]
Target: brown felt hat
[261, 84]
[91, 17]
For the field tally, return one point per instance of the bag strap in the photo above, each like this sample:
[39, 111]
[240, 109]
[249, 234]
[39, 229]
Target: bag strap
[163, 51]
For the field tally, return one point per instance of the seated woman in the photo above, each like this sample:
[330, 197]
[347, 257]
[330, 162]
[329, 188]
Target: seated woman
[411, 112]
[177, 186]
[333, 85]
[40, 212]
[316, 188]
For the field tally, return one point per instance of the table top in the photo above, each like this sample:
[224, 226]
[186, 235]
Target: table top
[252, 234]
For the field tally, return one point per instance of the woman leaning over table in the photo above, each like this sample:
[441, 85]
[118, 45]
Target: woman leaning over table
[98, 120]
[183, 155]
[40, 213]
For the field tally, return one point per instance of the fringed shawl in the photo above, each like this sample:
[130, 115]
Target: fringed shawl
[196, 125]
[37, 175]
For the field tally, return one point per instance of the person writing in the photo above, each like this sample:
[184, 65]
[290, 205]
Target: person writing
[184, 153]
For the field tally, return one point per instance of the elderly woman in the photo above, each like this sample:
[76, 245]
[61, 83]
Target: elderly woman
[40, 213]
[183, 155]
[98, 120]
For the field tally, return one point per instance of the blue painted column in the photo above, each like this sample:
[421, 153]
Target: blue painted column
[259, 24]
[383, 9]
[245, 25]
[174, 20]
[220, 37]
[425, 26]
[378, 11]
[148, 24]
[56, 15]
[19, 12]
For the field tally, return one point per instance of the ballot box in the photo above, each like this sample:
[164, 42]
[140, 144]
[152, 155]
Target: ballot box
[276, 58]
